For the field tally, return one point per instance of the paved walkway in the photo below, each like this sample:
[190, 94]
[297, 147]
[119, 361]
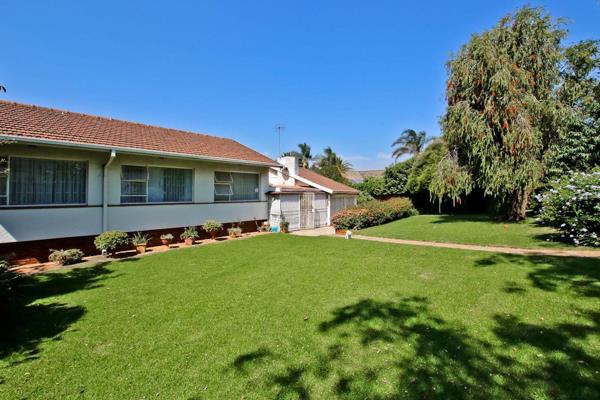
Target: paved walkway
[492, 249]
[329, 231]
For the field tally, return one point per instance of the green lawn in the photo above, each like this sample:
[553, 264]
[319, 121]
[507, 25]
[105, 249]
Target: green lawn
[281, 316]
[469, 229]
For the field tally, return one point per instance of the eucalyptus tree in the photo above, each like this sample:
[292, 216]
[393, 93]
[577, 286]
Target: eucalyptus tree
[502, 110]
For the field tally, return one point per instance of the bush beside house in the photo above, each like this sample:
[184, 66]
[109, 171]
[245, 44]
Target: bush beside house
[373, 213]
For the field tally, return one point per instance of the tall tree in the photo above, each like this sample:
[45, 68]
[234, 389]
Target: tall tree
[410, 142]
[578, 147]
[502, 112]
[304, 154]
[331, 165]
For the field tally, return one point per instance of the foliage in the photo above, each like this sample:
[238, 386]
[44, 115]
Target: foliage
[572, 205]
[189, 233]
[66, 257]
[450, 180]
[373, 213]
[502, 111]
[578, 147]
[166, 236]
[424, 167]
[304, 154]
[212, 226]
[140, 239]
[234, 231]
[364, 197]
[331, 165]
[110, 241]
[396, 176]
[9, 280]
[410, 142]
[372, 185]
[284, 225]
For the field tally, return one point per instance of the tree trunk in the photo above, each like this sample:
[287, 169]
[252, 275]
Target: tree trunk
[519, 203]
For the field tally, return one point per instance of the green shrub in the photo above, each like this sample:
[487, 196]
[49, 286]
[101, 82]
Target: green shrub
[166, 236]
[373, 213]
[212, 226]
[9, 281]
[364, 197]
[110, 241]
[189, 233]
[66, 257]
[572, 205]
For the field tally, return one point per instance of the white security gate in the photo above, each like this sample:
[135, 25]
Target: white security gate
[307, 211]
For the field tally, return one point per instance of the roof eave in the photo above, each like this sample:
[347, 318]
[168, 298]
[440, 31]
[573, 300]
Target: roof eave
[130, 150]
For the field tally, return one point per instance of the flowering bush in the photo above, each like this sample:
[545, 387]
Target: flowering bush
[572, 205]
[373, 213]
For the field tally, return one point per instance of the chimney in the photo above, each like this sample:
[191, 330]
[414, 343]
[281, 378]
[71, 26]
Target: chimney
[291, 163]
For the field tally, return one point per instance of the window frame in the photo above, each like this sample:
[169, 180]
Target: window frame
[46, 205]
[147, 167]
[230, 183]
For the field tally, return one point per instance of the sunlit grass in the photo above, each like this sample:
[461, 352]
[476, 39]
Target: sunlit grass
[280, 316]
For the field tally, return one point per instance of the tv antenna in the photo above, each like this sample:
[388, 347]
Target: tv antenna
[279, 128]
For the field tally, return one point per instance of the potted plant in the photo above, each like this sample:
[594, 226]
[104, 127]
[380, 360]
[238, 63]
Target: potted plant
[212, 227]
[189, 235]
[234, 232]
[166, 239]
[284, 226]
[140, 241]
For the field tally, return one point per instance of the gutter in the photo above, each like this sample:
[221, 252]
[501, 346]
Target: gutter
[112, 156]
[132, 150]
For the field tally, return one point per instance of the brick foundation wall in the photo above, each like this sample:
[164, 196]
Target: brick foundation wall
[37, 251]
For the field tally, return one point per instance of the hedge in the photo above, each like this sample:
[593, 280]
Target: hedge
[373, 213]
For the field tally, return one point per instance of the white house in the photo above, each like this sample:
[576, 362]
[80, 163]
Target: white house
[304, 198]
[66, 177]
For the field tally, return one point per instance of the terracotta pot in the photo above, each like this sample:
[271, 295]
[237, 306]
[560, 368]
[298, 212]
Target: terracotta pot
[285, 230]
[165, 242]
[140, 248]
[213, 235]
[340, 232]
[188, 241]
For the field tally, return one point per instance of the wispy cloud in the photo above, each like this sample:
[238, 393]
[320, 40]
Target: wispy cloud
[382, 155]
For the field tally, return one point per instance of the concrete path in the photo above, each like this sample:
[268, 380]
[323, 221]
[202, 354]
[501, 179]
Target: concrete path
[492, 249]
[330, 231]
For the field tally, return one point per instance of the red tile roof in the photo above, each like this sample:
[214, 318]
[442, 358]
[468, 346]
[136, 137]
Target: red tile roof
[28, 121]
[320, 180]
[294, 189]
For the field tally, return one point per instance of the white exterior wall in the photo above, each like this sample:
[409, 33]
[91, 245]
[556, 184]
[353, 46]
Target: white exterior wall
[47, 222]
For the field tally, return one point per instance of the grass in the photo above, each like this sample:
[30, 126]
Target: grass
[289, 317]
[470, 229]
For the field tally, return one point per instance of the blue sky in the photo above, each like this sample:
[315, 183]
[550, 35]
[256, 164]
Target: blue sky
[346, 74]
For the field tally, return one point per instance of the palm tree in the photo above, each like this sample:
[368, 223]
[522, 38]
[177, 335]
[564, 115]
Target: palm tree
[329, 161]
[305, 155]
[409, 142]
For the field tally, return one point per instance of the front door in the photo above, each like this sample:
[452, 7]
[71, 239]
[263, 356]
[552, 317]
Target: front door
[307, 211]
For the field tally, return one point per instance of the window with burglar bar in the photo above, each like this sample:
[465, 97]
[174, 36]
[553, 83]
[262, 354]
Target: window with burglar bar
[236, 186]
[140, 184]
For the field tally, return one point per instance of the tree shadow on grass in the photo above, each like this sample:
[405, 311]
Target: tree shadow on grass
[28, 322]
[400, 349]
[577, 274]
